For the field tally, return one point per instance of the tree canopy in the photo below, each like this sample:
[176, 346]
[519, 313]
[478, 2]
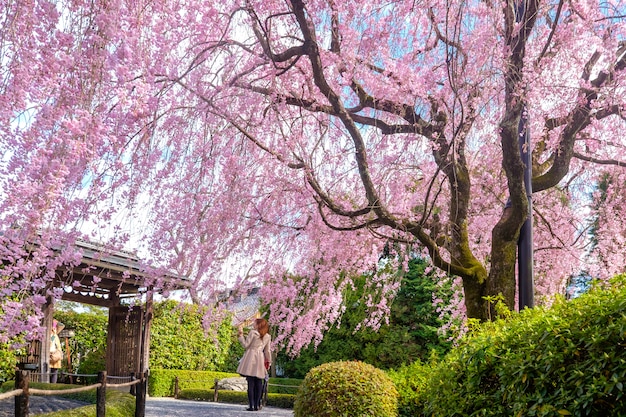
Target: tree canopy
[413, 332]
[230, 141]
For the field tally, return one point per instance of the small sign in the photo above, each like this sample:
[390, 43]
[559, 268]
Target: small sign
[66, 333]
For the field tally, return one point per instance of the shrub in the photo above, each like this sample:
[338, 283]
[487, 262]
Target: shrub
[338, 389]
[569, 359]
[161, 381]
[8, 360]
[410, 382]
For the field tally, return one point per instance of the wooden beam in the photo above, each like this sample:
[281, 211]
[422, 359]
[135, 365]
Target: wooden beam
[86, 299]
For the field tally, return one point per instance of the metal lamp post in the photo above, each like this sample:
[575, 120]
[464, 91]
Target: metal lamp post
[525, 242]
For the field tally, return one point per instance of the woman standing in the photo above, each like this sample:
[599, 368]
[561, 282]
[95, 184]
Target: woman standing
[56, 353]
[256, 360]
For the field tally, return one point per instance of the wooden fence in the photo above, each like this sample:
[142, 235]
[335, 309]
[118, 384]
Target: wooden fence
[22, 393]
[266, 384]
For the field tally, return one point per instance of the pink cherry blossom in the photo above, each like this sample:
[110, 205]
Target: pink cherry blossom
[284, 144]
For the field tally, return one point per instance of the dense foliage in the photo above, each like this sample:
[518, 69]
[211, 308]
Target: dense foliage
[566, 360]
[7, 362]
[178, 338]
[179, 341]
[411, 381]
[412, 331]
[87, 346]
[339, 389]
[161, 382]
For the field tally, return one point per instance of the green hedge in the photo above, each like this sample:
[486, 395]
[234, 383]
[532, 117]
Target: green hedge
[282, 396]
[286, 385]
[161, 381]
[281, 400]
[567, 360]
[236, 397]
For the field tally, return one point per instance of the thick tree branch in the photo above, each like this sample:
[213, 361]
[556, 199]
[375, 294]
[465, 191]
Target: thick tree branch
[579, 118]
[325, 199]
[354, 227]
[335, 101]
[416, 124]
[599, 161]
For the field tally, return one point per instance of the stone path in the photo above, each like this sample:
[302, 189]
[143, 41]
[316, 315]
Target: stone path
[155, 407]
[169, 407]
[39, 405]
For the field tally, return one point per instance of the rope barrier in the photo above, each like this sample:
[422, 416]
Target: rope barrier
[85, 375]
[125, 384]
[35, 391]
[21, 395]
[10, 394]
[44, 392]
[197, 380]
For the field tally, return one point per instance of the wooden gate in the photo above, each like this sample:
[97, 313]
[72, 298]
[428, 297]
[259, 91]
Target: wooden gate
[124, 340]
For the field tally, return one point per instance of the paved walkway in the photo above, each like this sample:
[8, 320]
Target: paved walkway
[155, 407]
[39, 405]
[169, 407]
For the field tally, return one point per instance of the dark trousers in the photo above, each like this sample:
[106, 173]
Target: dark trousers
[54, 374]
[255, 391]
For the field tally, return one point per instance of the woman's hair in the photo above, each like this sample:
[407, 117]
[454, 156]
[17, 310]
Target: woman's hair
[262, 327]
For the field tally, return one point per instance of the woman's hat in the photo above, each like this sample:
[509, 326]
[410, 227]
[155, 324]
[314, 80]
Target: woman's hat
[57, 326]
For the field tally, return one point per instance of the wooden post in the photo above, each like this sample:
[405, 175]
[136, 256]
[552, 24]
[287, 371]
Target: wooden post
[215, 392]
[101, 394]
[133, 390]
[176, 388]
[69, 359]
[21, 401]
[140, 399]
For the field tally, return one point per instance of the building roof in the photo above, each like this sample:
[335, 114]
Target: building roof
[104, 277]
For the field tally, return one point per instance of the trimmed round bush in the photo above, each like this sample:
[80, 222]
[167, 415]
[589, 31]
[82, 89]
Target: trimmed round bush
[339, 389]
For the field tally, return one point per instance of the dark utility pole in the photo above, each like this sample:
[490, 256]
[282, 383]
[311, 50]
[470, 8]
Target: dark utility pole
[525, 242]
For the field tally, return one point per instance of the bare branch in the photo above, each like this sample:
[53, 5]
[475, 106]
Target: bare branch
[552, 31]
[359, 226]
[600, 161]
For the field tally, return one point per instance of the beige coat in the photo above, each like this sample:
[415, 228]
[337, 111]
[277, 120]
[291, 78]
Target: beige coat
[258, 351]
[55, 344]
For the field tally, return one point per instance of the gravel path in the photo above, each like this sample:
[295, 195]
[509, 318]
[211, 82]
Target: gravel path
[155, 407]
[169, 407]
[39, 405]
